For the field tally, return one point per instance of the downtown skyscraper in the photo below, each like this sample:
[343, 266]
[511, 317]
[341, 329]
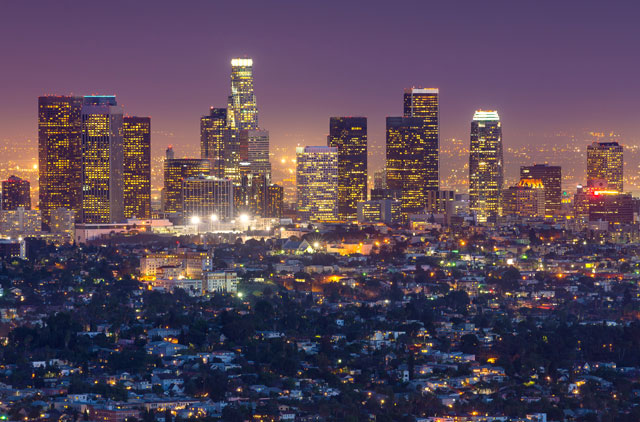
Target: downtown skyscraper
[254, 152]
[605, 162]
[317, 183]
[212, 139]
[59, 155]
[412, 149]
[242, 105]
[102, 160]
[551, 177]
[230, 137]
[486, 165]
[349, 136]
[16, 193]
[176, 171]
[136, 136]
[424, 103]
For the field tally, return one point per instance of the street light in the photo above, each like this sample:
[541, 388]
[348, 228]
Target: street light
[195, 220]
[214, 217]
[244, 220]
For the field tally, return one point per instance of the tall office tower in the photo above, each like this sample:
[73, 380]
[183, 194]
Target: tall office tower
[424, 103]
[380, 179]
[175, 171]
[254, 151]
[349, 136]
[551, 177]
[243, 109]
[206, 196]
[407, 164]
[212, 130]
[59, 154]
[16, 193]
[486, 165]
[102, 160]
[231, 154]
[250, 195]
[275, 201]
[604, 162]
[317, 183]
[136, 137]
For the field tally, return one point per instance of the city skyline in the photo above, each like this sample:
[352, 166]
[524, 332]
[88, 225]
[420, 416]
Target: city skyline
[298, 92]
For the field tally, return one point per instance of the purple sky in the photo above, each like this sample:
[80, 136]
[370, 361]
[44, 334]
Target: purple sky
[545, 65]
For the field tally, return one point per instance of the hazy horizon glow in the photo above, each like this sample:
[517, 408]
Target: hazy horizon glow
[546, 66]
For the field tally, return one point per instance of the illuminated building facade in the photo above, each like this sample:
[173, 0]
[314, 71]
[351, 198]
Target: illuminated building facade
[385, 211]
[20, 222]
[16, 193]
[205, 196]
[254, 151]
[275, 201]
[407, 165]
[243, 108]
[441, 201]
[526, 199]
[231, 154]
[598, 202]
[380, 179]
[605, 162]
[212, 134]
[175, 171]
[59, 154]
[551, 177]
[63, 221]
[317, 183]
[486, 165]
[102, 160]
[424, 103]
[251, 194]
[349, 136]
[136, 136]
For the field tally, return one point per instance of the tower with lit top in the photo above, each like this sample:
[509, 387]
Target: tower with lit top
[486, 165]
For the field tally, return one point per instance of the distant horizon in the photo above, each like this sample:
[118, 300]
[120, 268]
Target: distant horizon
[545, 67]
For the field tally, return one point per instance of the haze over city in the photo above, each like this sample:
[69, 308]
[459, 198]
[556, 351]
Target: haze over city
[548, 67]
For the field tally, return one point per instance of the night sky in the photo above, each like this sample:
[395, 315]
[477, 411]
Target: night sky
[547, 66]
